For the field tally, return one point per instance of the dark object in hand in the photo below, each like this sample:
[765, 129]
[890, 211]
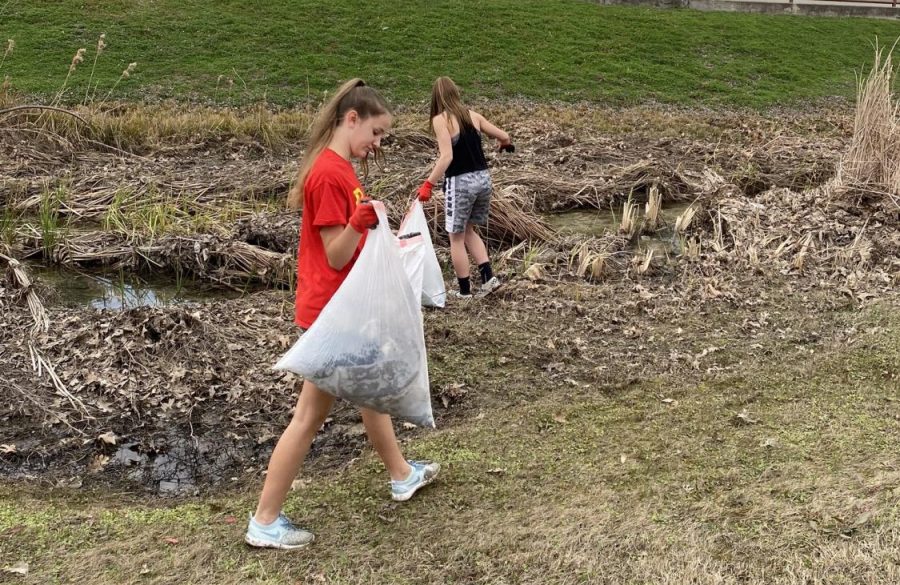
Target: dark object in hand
[507, 147]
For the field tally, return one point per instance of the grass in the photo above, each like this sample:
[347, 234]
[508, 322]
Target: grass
[48, 214]
[288, 52]
[8, 225]
[781, 471]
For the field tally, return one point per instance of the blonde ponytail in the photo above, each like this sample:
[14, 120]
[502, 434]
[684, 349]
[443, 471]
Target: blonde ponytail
[352, 95]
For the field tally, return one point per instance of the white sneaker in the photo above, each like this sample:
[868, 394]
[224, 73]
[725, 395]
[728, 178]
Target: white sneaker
[279, 534]
[489, 287]
[422, 473]
[458, 295]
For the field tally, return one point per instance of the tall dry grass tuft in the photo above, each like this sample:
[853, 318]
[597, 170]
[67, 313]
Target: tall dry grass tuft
[10, 45]
[126, 73]
[651, 210]
[873, 161]
[101, 44]
[628, 225]
[587, 262]
[5, 99]
[77, 59]
[684, 219]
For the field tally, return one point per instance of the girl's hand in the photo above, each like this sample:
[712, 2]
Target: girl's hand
[364, 217]
[506, 146]
[424, 192]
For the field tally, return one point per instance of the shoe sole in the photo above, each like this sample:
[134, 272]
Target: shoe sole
[267, 544]
[407, 496]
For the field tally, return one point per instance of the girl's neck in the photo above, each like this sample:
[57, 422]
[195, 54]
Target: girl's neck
[341, 146]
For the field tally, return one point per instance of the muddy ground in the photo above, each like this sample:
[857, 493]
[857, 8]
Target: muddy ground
[181, 398]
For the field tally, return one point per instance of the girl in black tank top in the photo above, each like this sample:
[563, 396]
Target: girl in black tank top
[467, 187]
[468, 156]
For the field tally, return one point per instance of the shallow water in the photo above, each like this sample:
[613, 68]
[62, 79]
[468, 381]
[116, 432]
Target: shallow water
[119, 291]
[597, 223]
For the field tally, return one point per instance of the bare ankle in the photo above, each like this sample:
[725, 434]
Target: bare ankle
[401, 474]
[264, 518]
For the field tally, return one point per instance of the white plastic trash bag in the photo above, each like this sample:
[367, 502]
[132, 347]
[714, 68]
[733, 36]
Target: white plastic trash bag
[433, 292]
[368, 344]
[413, 255]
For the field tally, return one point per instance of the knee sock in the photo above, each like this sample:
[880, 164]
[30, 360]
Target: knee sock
[465, 288]
[486, 272]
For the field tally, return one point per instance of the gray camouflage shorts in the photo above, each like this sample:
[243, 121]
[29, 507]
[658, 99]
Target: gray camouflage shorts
[467, 198]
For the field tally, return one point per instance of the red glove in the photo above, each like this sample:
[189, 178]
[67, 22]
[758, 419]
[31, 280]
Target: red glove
[425, 191]
[364, 217]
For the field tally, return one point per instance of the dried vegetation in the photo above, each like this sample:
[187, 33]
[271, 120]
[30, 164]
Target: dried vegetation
[160, 189]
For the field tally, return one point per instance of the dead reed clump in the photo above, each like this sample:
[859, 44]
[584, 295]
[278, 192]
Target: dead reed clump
[230, 263]
[651, 210]
[818, 232]
[872, 163]
[629, 225]
[591, 259]
[19, 280]
[512, 220]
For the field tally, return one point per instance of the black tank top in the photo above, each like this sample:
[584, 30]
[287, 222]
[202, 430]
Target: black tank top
[468, 155]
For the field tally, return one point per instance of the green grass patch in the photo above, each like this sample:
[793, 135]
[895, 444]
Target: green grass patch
[288, 52]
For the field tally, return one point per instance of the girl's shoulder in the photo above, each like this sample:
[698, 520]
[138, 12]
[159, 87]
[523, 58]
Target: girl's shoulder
[329, 169]
[476, 119]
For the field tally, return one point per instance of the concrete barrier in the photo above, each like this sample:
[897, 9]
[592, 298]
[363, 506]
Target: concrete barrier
[771, 7]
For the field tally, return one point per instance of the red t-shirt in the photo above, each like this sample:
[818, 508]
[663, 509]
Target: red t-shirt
[330, 195]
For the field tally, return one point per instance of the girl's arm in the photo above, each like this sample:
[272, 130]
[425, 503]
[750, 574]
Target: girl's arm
[340, 244]
[340, 241]
[489, 129]
[445, 148]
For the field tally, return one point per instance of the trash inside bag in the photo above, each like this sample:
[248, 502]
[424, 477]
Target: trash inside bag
[368, 343]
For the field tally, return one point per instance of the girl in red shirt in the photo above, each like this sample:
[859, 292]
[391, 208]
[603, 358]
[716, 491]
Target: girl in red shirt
[336, 217]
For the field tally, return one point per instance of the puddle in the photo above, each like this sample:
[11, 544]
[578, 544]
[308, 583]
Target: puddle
[183, 465]
[597, 223]
[118, 291]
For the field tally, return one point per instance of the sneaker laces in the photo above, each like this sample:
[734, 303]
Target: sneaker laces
[286, 522]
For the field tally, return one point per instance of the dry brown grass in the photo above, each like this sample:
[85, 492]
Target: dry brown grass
[872, 162]
[18, 278]
[651, 210]
[628, 224]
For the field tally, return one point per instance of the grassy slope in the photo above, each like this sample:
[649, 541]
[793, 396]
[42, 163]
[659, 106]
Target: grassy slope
[595, 485]
[552, 49]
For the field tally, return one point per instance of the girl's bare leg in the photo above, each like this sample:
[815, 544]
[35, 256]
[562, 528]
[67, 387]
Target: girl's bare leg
[458, 255]
[381, 434]
[313, 406]
[475, 245]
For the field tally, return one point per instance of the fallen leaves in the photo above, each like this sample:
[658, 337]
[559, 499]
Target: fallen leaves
[98, 462]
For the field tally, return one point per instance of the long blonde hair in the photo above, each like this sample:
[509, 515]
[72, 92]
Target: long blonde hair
[353, 95]
[445, 100]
